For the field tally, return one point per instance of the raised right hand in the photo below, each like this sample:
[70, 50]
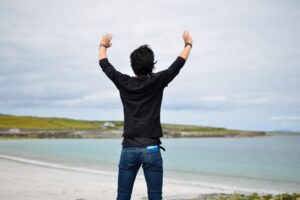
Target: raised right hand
[106, 40]
[187, 38]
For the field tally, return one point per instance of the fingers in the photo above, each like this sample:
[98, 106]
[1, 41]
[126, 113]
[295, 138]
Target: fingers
[187, 37]
[185, 33]
[107, 37]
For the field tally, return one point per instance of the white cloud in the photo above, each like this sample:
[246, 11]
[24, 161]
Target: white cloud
[214, 98]
[286, 118]
[245, 54]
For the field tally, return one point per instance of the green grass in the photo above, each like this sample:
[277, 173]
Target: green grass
[57, 124]
[256, 196]
[253, 196]
[194, 128]
[29, 122]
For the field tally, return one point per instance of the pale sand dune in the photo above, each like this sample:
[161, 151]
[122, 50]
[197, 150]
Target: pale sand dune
[22, 181]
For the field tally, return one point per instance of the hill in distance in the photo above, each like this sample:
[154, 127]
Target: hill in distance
[53, 127]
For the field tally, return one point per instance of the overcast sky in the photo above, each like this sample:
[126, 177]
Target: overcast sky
[243, 71]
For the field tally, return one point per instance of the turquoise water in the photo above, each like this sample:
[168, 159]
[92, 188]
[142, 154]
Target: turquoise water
[258, 163]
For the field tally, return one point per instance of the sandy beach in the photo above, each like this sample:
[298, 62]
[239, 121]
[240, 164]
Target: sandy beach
[21, 180]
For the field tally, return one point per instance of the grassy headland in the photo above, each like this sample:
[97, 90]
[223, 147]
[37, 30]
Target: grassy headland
[53, 127]
[253, 196]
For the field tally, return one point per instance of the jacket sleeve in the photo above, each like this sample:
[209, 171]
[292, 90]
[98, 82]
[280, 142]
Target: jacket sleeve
[167, 75]
[114, 75]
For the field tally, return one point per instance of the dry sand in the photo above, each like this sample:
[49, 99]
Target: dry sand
[25, 181]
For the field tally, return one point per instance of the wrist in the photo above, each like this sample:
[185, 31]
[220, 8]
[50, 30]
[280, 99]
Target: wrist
[103, 46]
[188, 44]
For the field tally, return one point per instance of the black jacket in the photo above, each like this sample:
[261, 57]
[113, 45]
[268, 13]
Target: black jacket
[142, 97]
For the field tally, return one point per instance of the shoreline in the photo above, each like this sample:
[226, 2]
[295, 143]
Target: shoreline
[37, 180]
[71, 135]
[26, 181]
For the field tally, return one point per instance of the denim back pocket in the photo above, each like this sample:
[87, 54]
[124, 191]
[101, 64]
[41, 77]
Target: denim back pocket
[153, 161]
[128, 160]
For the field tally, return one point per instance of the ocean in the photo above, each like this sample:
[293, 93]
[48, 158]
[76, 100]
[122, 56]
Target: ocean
[262, 164]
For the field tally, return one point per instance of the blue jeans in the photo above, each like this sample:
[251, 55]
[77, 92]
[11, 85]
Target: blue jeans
[130, 161]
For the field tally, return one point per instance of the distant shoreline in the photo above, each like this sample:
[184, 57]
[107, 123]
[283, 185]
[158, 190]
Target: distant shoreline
[71, 134]
[96, 134]
[22, 127]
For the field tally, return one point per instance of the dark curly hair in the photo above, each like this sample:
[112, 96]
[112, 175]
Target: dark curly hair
[142, 60]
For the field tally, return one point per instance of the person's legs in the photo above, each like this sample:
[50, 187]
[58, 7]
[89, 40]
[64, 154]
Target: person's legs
[128, 168]
[153, 171]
